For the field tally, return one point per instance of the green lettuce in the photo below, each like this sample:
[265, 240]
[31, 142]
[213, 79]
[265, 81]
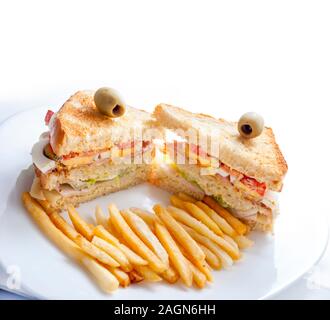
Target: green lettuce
[222, 203]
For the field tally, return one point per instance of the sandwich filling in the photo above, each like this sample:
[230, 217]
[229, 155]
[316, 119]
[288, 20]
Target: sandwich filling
[246, 197]
[75, 173]
[210, 166]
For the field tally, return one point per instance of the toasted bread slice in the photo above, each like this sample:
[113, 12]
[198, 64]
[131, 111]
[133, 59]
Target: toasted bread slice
[78, 126]
[259, 158]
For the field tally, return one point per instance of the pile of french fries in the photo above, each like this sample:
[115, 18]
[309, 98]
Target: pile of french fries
[185, 240]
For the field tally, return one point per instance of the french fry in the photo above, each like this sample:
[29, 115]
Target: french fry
[49, 229]
[104, 278]
[225, 259]
[142, 230]
[200, 215]
[231, 241]
[239, 226]
[199, 277]
[201, 265]
[135, 277]
[80, 224]
[83, 243]
[147, 217]
[185, 197]
[122, 277]
[100, 217]
[46, 206]
[134, 241]
[243, 242]
[114, 252]
[221, 222]
[95, 252]
[104, 234]
[61, 224]
[148, 274]
[170, 275]
[190, 221]
[177, 259]
[211, 258]
[132, 257]
[111, 228]
[177, 202]
[180, 235]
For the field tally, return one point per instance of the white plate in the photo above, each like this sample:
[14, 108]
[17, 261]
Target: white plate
[271, 265]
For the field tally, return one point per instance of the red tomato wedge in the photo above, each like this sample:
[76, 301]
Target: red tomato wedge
[253, 184]
[48, 116]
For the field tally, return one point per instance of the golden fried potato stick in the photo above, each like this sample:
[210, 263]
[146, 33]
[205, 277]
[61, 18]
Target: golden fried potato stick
[170, 275]
[135, 277]
[61, 224]
[201, 265]
[180, 235]
[95, 252]
[122, 277]
[225, 259]
[148, 274]
[47, 207]
[132, 257]
[100, 217]
[148, 217]
[200, 215]
[185, 197]
[231, 241]
[177, 202]
[177, 259]
[221, 222]
[134, 241]
[239, 226]
[243, 242]
[211, 258]
[105, 279]
[199, 277]
[80, 224]
[114, 252]
[190, 221]
[104, 234]
[83, 243]
[142, 230]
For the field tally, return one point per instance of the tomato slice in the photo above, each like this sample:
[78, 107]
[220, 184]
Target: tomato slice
[253, 184]
[48, 116]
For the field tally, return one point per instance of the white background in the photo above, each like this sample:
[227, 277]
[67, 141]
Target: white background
[218, 57]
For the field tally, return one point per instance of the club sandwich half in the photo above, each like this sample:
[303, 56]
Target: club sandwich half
[211, 158]
[86, 154]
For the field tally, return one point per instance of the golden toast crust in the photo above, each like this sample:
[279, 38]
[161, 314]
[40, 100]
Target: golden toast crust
[79, 127]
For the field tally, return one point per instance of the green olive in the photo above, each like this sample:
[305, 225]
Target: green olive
[109, 102]
[250, 125]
